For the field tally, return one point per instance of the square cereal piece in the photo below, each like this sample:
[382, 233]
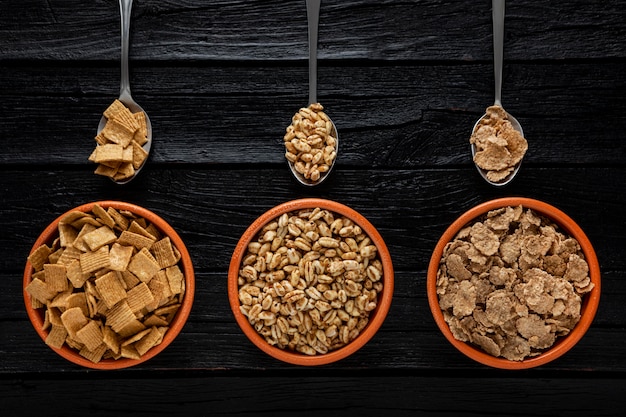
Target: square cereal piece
[90, 335]
[67, 234]
[160, 289]
[100, 140]
[139, 154]
[92, 261]
[40, 291]
[76, 218]
[56, 277]
[131, 329]
[53, 315]
[99, 237]
[155, 320]
[68, 255]
[56, 337]
[141, 134]
[76, 275]
[111, 340]
[130, 352]
[77, 299]
[142, 229]
[79, 243]
[130, 279]
[125, 170]
[120, 220]
[120, 316]
[110, 288]
[103, 216]
[148, 341]
[137, 240]
[118, 133]
[127, 155]
[176, 279]
[139, 297]
[164, 252]
[113, 109]
[94, 356]
[110, 152]
[127, 118]
[152, 229]
[135, 337]
[73, 320]
[143, 265]
[105, 171]
[60, 300]
[39, 257]
[119, 256]
[56, 255]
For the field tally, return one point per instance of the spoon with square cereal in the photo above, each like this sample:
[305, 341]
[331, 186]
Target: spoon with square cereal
[124, 135]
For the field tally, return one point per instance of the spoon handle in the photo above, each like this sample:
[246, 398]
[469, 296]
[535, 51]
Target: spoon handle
[498, 46]
[125, 11]
[313, 17]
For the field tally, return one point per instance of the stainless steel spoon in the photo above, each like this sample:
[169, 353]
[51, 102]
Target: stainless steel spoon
[125, 96]
[313, 17]
[498, 47]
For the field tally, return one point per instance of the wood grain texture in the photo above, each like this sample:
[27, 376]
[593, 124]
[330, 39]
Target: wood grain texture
[405, 81]
[276, 30]
[312, 395]
[387, 116]
[411, 209]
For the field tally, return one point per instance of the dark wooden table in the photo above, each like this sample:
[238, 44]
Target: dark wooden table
[404, 82]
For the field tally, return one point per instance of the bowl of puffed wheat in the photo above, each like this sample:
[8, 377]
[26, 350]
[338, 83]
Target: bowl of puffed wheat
[310, 281]
[108, 285]
[513, 283]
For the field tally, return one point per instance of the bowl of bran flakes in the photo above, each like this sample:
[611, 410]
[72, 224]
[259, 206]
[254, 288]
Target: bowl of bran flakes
[513, 283]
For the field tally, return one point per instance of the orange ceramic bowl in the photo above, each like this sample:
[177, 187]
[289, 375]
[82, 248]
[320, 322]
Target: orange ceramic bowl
[590, 300]
[36, 316]
[377, 316]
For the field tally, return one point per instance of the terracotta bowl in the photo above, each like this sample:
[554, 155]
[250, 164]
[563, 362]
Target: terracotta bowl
[377, 316]
[590, 300]
[36, 316]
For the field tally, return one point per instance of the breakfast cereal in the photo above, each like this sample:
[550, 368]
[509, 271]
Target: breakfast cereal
[104, 295]
[311, 142]
[309, 281]
[499, 146]
[119, 148]
[512, 283]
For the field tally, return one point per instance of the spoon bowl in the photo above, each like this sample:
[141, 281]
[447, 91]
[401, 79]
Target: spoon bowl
[125, 94]
[483, 172]
[313, 14]
[498, 47]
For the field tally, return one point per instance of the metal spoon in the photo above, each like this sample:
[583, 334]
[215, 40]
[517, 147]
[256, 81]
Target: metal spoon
[313, 15]
[498, 46]
[125, 96]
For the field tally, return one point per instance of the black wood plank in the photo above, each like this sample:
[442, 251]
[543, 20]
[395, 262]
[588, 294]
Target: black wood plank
[388, 116]
[314, 395]
[276, 30]
[411, 209]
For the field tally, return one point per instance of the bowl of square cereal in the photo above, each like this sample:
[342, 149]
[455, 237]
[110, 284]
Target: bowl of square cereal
[513, 283]
[310, 281]
[108, 285]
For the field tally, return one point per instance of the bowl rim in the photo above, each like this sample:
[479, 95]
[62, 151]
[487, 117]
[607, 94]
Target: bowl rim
[36, 315]
[590, 302]
[376, 319]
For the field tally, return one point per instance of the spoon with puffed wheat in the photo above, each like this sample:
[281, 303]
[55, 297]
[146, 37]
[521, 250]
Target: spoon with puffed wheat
[311, 140]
